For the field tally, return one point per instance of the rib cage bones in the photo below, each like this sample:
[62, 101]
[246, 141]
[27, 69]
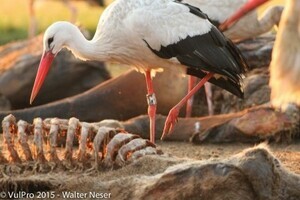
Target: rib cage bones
[101, 145]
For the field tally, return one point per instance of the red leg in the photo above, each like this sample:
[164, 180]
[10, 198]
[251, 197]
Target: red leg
[208, 92]
[173, 114]
[189, 104]
[151, 99]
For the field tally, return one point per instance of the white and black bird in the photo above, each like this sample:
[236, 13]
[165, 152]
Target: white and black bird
[152, 35]
[245, 27]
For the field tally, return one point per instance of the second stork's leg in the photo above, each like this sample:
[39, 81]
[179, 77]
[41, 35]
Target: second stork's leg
[73, 10]
[173, 114]
[208, 92]
[189, 104]
[151, 99]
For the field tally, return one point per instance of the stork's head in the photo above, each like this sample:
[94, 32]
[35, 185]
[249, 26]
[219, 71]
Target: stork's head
[56, 37]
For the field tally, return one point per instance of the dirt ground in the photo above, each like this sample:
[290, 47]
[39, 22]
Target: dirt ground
[126, 182]
[288, 154]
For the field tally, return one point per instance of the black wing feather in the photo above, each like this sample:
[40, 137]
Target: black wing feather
[211, 52]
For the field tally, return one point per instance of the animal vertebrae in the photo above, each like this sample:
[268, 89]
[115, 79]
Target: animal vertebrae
[100, 145]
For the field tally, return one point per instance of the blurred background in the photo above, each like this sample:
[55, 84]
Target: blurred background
[15, 15]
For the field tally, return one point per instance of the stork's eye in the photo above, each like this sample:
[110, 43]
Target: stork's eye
[50, 40]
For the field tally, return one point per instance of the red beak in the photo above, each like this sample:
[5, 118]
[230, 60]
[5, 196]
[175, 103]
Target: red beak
[44, 67]
[246, 8]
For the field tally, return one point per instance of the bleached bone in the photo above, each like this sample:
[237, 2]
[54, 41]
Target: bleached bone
[142, 152]
[126, 150]
[23, 128]
[38, 139]
[53, 134]
[73, 127]
[9, 126]
[83, 139]
[103, 137]
[110, 143]
[114, 146]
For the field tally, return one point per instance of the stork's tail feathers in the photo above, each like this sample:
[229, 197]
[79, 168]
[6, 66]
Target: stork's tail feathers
[233, 80]
[234, 87]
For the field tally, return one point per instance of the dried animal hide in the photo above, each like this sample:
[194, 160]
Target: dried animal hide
[252, 174]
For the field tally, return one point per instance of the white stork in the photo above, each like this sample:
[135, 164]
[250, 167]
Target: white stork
[246, 27]
[285, 64]
[152, 35]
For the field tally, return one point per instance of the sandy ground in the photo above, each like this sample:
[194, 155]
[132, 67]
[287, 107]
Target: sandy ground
[123, 182]
[288, 154]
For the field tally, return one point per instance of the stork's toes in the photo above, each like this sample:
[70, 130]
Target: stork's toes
[170, 122]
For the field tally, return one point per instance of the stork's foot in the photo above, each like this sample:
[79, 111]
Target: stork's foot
[170, 121]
